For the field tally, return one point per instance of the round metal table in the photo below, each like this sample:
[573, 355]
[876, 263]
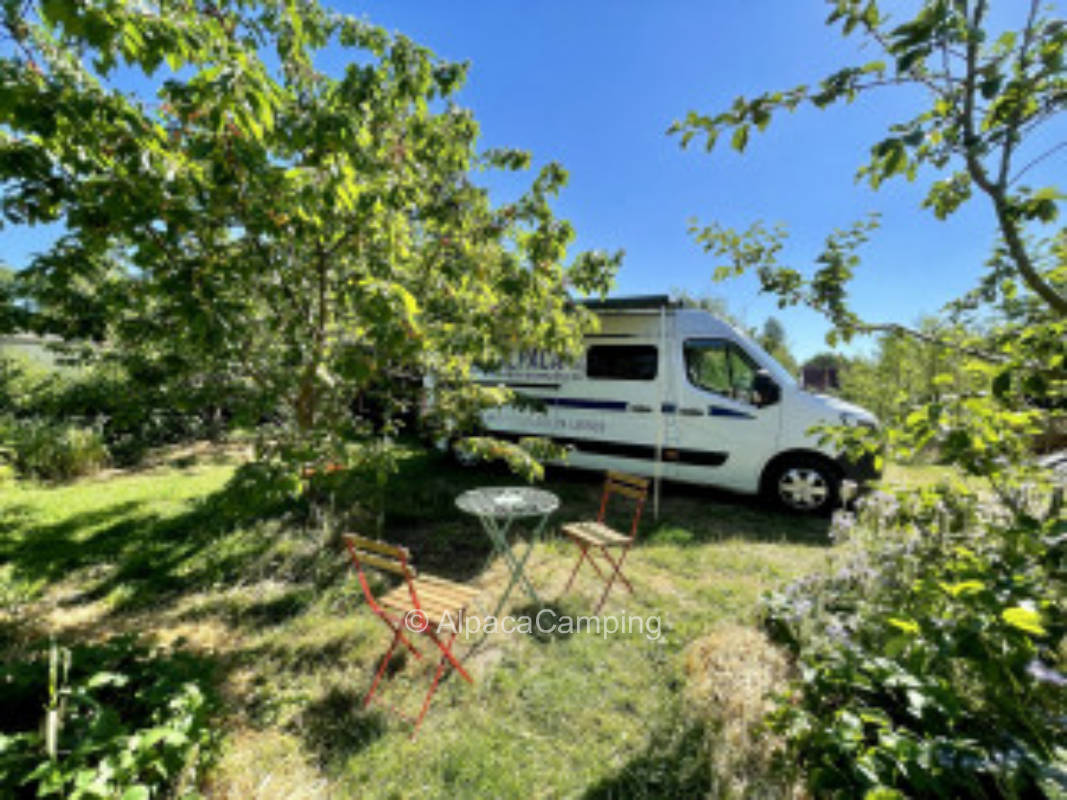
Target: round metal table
[497, 508]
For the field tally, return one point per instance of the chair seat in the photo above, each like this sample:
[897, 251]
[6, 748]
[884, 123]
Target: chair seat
[595, 533]
[437, 598]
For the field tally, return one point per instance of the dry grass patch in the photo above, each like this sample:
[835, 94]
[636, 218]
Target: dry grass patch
[266, 765]
[732, 674]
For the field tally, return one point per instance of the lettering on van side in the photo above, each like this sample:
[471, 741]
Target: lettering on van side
[537, 364]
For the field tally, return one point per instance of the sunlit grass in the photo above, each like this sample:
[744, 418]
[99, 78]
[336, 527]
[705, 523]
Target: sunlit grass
[295, 646]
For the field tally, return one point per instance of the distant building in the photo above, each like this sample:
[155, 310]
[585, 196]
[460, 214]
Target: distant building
[820, 379]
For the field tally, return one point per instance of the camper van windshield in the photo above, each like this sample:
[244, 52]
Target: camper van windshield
[628, 362]
[720, 366]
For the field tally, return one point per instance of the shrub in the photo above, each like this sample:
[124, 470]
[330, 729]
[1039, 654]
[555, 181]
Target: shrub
[55, 451]
[129, 723]
[131, 416]
[932, 654]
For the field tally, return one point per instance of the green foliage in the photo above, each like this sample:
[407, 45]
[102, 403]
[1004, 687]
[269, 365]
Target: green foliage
[524, 457]
[987, 95]
[129, 413]
[129, 723]
[53, 451]
[772, 338]
[932, 661]
[931, 651]
[269, 238]
[903, 373]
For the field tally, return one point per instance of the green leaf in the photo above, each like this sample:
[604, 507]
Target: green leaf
[107, 679]
[136, 792]
[1025, 619]
[740, 138]
[905, 625]
[963, 587]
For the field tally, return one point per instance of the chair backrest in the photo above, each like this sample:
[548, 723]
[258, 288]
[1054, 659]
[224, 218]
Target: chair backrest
[630, 486]
[386, 557]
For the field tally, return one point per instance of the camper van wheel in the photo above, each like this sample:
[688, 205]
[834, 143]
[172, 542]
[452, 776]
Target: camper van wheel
[808, 485]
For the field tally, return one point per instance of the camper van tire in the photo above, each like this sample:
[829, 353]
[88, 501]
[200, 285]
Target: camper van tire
[809, 484]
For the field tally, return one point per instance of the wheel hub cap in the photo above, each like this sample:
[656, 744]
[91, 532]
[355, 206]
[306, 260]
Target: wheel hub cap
[803, 488]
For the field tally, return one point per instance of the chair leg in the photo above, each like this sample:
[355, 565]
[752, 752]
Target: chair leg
[446, 657]
[397, 624]
[616, 572]
[617, 565]
[381, 669]
[585, 554]
[446, 652]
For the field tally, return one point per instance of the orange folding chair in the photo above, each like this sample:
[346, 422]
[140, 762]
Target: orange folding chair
[420, 605]
[598, 538]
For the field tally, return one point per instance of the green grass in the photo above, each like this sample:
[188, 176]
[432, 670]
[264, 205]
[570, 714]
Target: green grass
[197, 561]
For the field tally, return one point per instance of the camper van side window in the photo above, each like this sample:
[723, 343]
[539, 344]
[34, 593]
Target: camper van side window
[630, 362]
[720, 366]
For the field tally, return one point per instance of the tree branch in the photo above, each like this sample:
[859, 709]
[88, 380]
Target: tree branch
[997, 191]
[1036, 161]
[929, 338]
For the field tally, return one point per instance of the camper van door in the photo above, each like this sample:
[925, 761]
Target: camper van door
[724, 434]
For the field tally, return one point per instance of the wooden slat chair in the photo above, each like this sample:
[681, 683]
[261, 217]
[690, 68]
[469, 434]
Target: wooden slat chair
[419, 605]
[596, 537]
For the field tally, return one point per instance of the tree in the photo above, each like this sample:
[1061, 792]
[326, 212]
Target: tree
[986, 98]
[827, 359]
[903, 373]
[986, 94]
[772, 339]
[710, 303]
[932, 594]
[267, 235]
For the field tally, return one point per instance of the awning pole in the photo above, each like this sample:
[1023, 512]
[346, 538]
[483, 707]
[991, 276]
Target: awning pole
[663, 399]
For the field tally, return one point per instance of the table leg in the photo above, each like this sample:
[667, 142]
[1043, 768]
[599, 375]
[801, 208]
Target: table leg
[499, 536]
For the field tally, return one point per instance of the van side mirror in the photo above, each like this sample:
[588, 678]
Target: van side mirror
[765, 392]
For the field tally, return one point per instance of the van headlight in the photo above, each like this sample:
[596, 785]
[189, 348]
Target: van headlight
[853, 420]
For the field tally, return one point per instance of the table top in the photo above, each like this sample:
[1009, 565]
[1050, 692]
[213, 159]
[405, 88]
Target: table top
[507, 501]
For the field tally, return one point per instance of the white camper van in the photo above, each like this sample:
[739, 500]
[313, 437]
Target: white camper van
[679, 394]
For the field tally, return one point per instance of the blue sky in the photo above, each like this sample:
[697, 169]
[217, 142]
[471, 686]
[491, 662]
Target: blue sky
[595, 85]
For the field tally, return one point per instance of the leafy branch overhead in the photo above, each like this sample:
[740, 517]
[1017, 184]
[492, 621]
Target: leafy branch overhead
[251, 227]
[987, 97]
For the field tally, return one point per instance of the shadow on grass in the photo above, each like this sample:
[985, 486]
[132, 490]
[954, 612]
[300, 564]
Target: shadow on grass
[147, 556]
[278, 610]
[545, 618]
[257, 615]
[696, 515]
[421, 513]
[336, 727]
[675, 764]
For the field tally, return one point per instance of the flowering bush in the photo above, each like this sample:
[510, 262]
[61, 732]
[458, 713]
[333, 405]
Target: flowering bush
[932, 653]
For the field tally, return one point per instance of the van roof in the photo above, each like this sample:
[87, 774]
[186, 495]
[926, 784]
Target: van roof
[630, 303]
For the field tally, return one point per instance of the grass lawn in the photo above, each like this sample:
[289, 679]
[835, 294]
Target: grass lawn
[189, 558]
